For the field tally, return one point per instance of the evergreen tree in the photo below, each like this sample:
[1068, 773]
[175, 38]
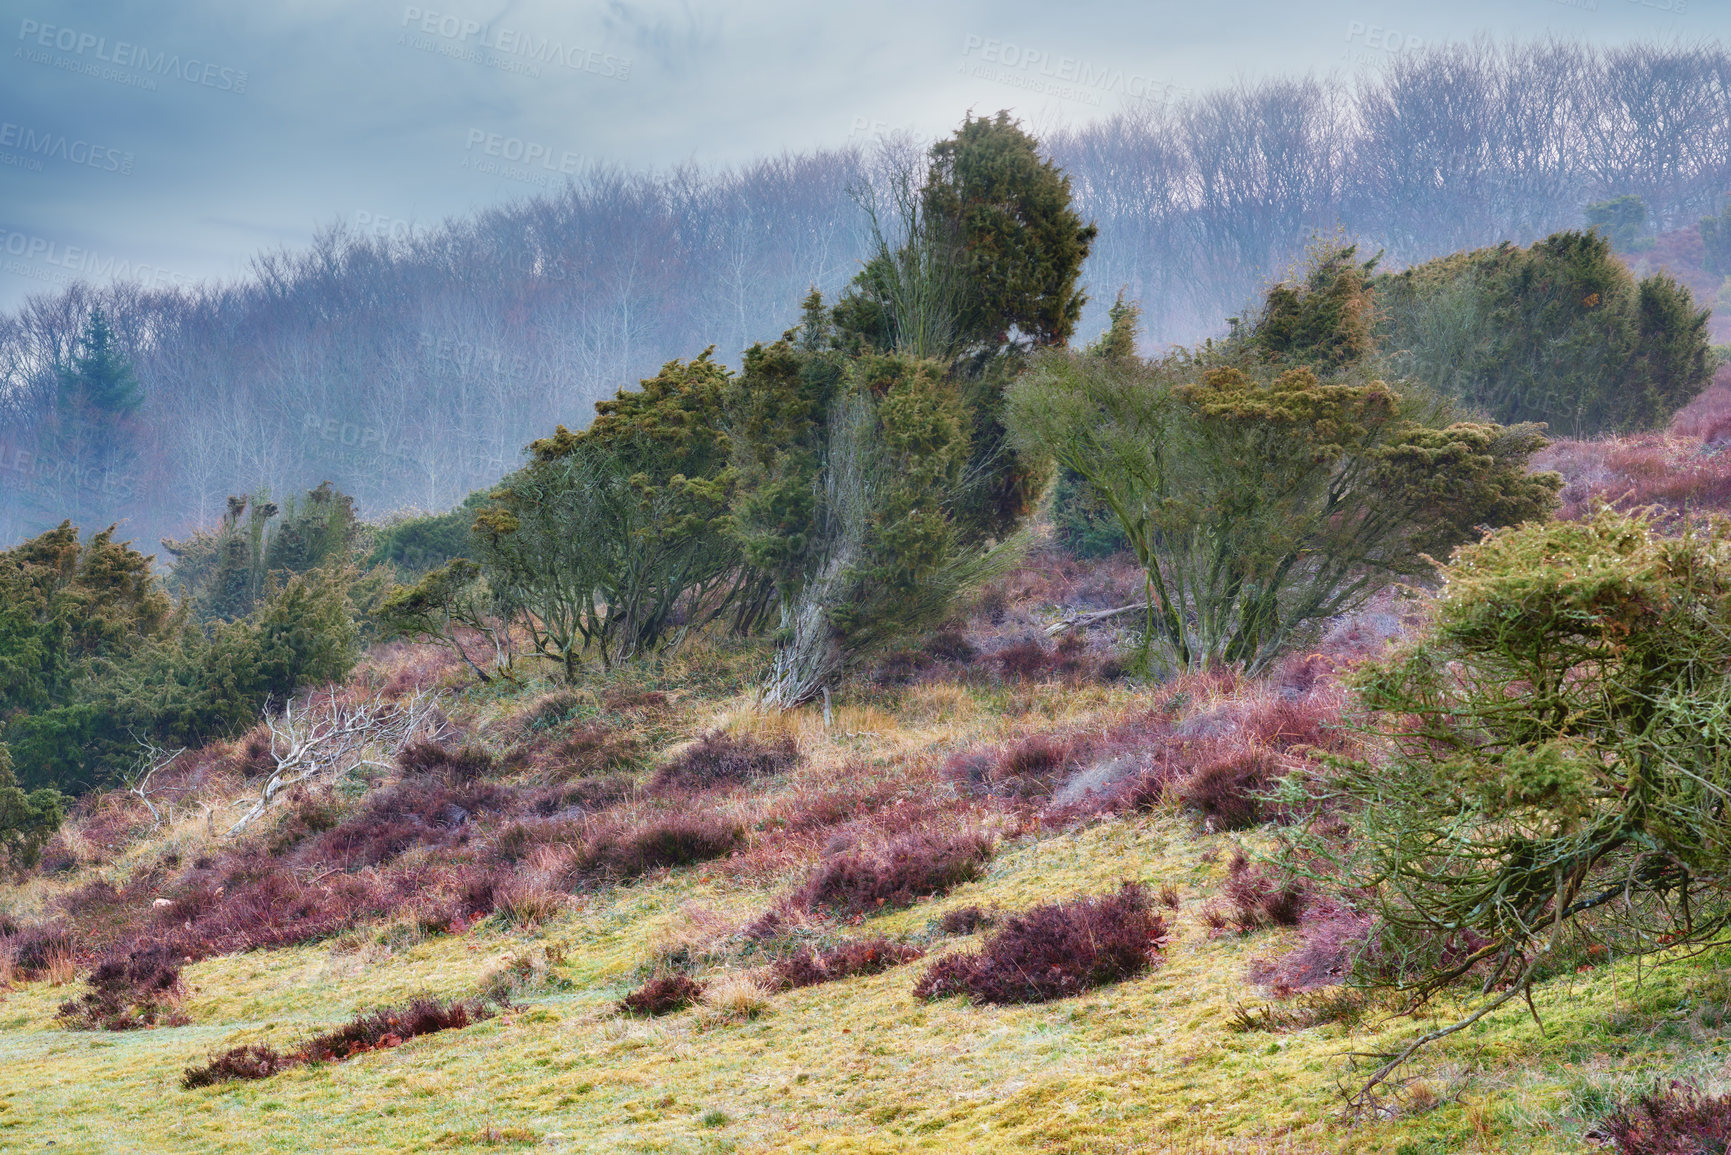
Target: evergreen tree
[91, 439]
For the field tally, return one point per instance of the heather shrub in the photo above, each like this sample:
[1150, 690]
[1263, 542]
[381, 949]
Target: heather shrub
[966, 920]
[1678, 1120]
[468, 763]
[390, 1026]
[1259, 900]
[911, 867]
[721, 760]
[1052, 952]
[862, 957]
[595, 748]
[1331, 940]
[254, 1061]
[662, 995]
[1225, 787]
[665, 840]
[370, 1031]
[141, 989]
[1032, 767]
[38, 949]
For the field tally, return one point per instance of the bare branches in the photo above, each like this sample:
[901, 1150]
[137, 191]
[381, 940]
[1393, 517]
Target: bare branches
[331, 735]
[151, 759]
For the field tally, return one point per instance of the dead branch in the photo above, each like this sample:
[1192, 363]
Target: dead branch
[330, 736]
[1081, 621]
[150, 760]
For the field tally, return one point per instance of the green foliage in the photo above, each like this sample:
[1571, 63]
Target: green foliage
[412, 546]
[1555, 746]
[1082, 524]
[1261, 502]
[615, 537]
[66, 606]
[1325, 322]
[1622, 221]
[98, 380]
[987, 267]
[441, 607]
[95, 659]
[224, 574]
[888, 558]
[27, 820]
[1003, 214]
[1559, 333]
[777, 413]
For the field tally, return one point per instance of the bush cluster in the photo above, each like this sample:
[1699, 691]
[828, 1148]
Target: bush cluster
[1053, 952]
[860, 957]
[908, 868]
[370, 1031]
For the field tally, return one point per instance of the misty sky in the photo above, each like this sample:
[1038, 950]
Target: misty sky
[176, 140]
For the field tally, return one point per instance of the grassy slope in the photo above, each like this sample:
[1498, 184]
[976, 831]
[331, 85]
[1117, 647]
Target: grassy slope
[854, 1066]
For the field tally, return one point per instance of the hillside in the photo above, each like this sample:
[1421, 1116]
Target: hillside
[999, 735]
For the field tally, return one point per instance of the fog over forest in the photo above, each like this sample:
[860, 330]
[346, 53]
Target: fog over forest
[410, 364]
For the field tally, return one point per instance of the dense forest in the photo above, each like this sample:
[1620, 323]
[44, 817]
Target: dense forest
[412, 370]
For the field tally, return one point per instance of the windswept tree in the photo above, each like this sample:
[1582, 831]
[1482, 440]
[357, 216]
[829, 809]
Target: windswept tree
[614, 539]
[1262, 492]
[875, 482]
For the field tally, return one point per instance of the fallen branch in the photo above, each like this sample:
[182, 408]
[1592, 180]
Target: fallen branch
[1080, 621]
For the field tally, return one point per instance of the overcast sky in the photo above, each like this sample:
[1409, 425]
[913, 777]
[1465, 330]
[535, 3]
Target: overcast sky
[175, 144]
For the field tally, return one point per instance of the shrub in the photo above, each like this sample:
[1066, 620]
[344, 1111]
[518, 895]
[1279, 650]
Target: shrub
[1548, 745]
[1678, 1120]
[139, 990]
[595, 748]
[1559, 333]
[253, 1061]
[720, 760]
[390, 1026]
[370, 1031]
[1331, 940]
[863, 957]
[613, 538]
[1052, 952]
[966, 920]
[910, 867]
[662, 841]
[38, 949]
[466, 764]
[662, 995]
[1262, 501]
[1224, 787]
[1034, 766]
[1261, 901]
